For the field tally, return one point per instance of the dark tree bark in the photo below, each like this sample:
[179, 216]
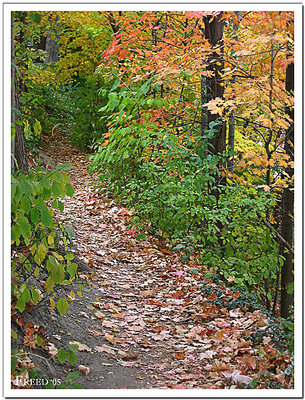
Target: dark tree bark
[18, 145]
[231, 137]
[214, 88]
[214, 33]
[287, 276]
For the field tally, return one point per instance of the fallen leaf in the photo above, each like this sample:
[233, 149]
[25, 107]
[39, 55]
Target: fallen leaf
[237, 379]
[147, 293]
[113, 340]
[180, 355]
[83, 369]
[104, 348]
[108, 324]
[128, 356]
[120, 315]
[94, 333]
[52, 349]
[81, 346]
[83, 314]
[99, 315]
[249, 361]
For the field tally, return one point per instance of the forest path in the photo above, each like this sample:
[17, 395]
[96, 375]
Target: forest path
[148, 322]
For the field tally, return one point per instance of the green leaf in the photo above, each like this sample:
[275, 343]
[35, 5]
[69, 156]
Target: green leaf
[35, 17]
[34, 215]
[39, 340]
[72, 359]
[69, 256]
[56, 189]
[49, 285]
[76, 385]
[14, 334]
[26, 187]
[62, 355]
[64, 167]
[13, 364]
[179, 247]
[26, 295]
[35, 296]
[141, 236]
[40, 254]
[62, 307]
[69, 190]
[61, 206]
[72, 268]
[58, 273]
[46, 218]
[25, 227]
[25, 204]
[72, 376]
[20, 304]
[36, 272]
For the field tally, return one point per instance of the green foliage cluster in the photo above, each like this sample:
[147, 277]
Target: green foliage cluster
[35, 236]
[87, 126]
[72, 107]
[169, 180]
[51, 106]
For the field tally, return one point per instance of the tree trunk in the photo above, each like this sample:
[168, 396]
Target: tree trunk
[214, 33]
[231, 137]
[287, 276]
[52, 45]
[18, 144]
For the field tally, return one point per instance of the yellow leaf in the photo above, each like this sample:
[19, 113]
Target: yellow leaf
[50, 240]
[79, 293]
[52, 302]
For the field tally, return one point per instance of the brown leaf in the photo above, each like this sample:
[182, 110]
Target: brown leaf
[83, 369]
[99, 315]
[120, 315]
[104, 348]
[147, 293]
[249, 361]
[113, 340]
[129, 356]
[94, 333]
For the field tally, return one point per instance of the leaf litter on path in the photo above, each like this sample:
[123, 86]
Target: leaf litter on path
[150, 307]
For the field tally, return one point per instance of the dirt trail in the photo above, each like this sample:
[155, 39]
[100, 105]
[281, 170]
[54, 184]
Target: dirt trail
[145, 322]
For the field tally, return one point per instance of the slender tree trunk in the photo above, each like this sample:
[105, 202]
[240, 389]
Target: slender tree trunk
[214, 88]
[18, 144]
[287, 276]
[231, 137]
[52, 45]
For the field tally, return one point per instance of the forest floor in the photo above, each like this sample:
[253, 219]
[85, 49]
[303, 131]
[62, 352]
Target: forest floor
[150, 321]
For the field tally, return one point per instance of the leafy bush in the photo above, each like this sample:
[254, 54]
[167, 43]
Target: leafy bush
[35, 236]
[51, 106]
[87, 124]
[168, 178]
